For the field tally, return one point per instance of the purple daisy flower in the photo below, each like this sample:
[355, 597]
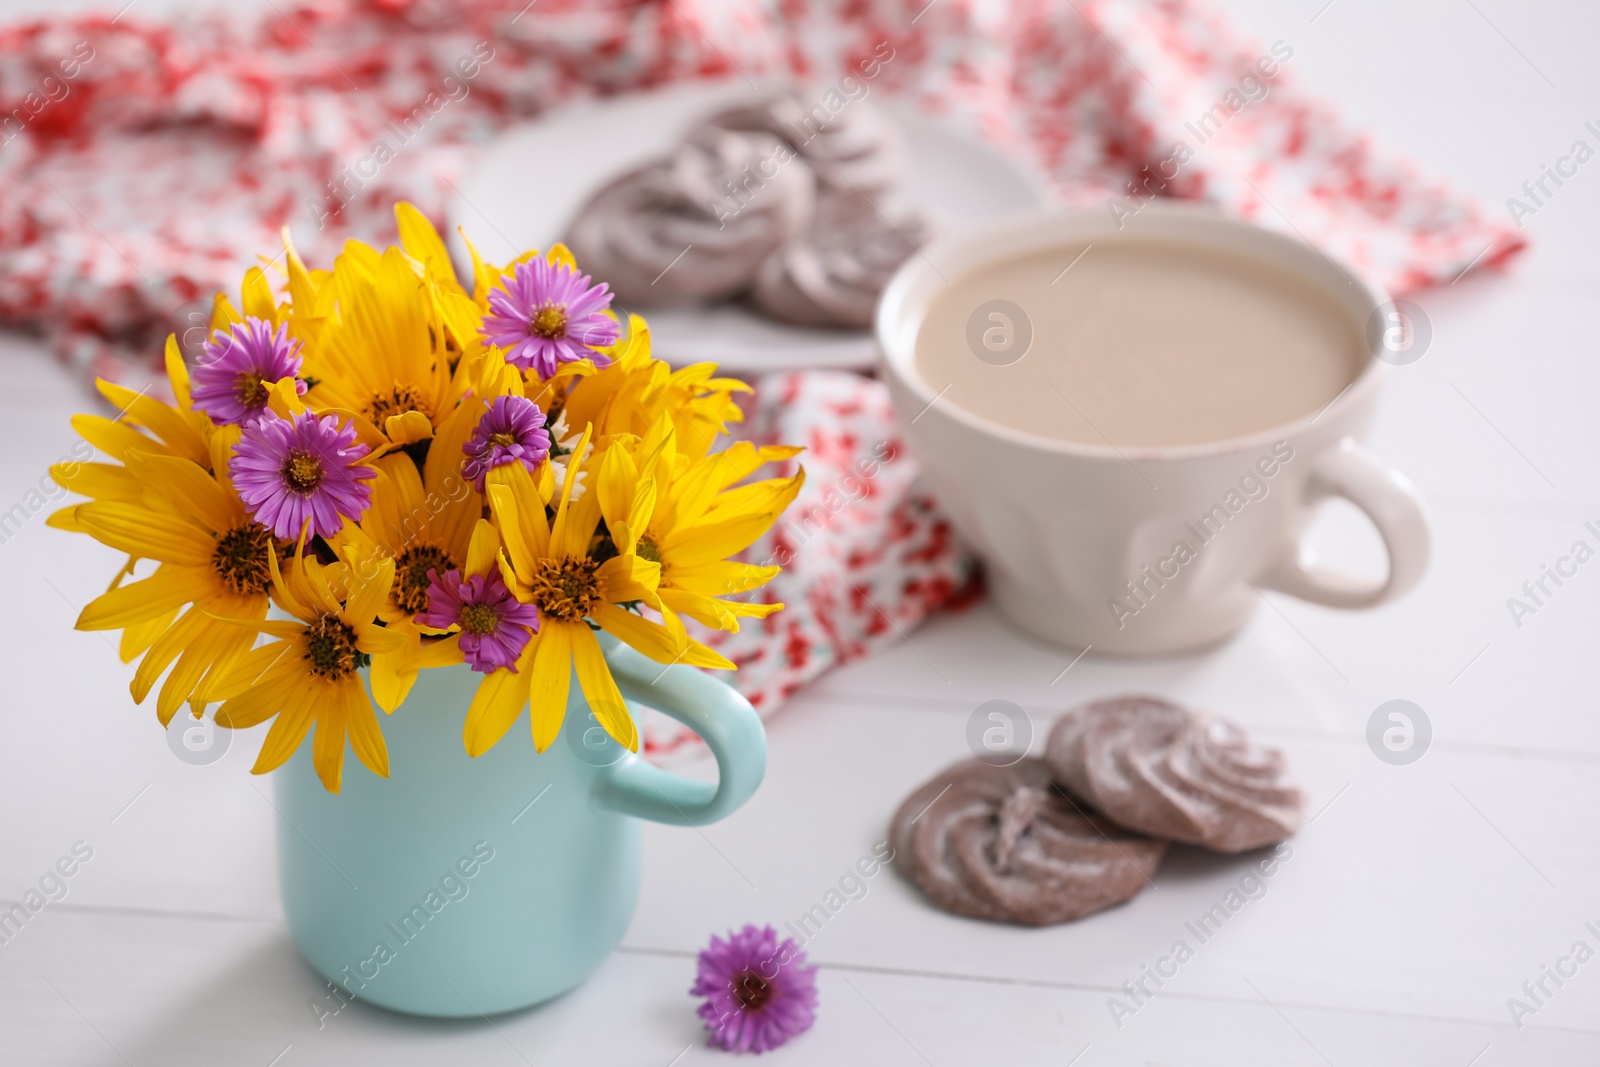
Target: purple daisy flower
[512, 429]
[495, 626]
[547, 314]
[230, 384]
[758, 993]
[287, 472]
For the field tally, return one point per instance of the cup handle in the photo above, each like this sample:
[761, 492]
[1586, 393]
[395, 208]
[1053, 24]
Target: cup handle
[1395, 508]
[717, 712]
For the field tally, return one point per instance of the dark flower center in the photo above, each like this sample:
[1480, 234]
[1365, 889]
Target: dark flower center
[751, 990]
[302, 471]
[331, 648]
[566, 589]
[647, 550]
[504, 440]
[251, 389]
[549, 322]
[478, 619]
[410, 589]
[397, 401]
[240, 559]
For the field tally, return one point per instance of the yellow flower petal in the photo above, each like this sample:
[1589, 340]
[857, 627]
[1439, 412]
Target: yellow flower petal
[328, 743]
[617, 480]
[551, 680]
[137, 637]
[441, 653]
[256, 295]
[500, 698]
[157, 596]
[283, 397]
[368, 598]
[624, 578]
[165, 649]
[721, 577]
[66, 519]
[258, 668]
[101, 481]
[116, 439]
[392, 675]
[709, 541]
[422, 242]
[379, 640]
[260, 703]
[190, 489]
[288, 730]
[568, 537]
[216, 648]
[560, 254]
[366, 737]
[600, 689]
[715, 613]
[645, 635]
[177, 372]
[408, 428]
[167, 423]
[147, 534]
[482, 551]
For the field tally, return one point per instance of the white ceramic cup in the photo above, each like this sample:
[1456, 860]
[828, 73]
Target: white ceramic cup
[1081, 542]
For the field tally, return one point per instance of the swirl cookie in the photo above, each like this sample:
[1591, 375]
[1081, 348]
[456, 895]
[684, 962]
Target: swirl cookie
[851, 145]
[1155, 767]
[1001, 843]
[695, 226]
[833, 274]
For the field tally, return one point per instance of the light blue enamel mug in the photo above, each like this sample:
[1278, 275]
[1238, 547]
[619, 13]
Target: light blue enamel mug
[466, 887]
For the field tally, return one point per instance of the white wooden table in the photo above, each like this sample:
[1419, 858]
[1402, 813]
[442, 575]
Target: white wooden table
[1418, 900]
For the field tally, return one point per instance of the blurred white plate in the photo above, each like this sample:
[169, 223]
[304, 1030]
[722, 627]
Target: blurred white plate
[528, 185]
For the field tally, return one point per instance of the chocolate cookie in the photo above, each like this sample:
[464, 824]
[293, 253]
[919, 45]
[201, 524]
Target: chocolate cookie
[1002, 843]
[850, 144]
[833, 274]
[1155, 767]
[695, 226]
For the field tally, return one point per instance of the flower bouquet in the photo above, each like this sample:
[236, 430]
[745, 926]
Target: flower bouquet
[416, 472]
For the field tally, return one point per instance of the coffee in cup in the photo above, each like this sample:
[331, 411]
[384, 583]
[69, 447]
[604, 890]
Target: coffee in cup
[1132, 422]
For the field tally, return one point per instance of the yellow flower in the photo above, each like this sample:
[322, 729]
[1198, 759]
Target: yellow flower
[212, 560]
[422, 521]
[256, 301]
[168, 431]
[550, 564]
[635, 390]
[696, 523]
[380, 356]
[310, 674]
[629, 518]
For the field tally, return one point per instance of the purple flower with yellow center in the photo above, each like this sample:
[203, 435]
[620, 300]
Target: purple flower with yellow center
[309, 468]
[512, 430]
[758, 993]
[495, 626]
[545, 314]
[240, 367]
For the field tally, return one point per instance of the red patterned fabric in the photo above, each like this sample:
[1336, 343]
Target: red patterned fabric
[145, 164]
[173, 154]
[865, 552]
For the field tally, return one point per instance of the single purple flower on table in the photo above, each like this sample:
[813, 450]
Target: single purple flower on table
[545, 314]
[309, 468]
[511, 430]
[495, 626]
[239, 368]
[758, 993]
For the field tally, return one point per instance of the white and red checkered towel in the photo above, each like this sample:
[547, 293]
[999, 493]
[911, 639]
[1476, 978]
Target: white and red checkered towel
[147, 163]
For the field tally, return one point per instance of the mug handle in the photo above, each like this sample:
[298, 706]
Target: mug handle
[1395, 508]
[717, 712]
